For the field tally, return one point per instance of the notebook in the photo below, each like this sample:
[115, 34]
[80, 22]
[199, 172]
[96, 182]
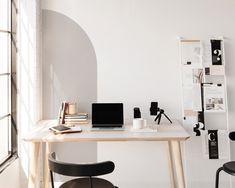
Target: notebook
[107, 116]
[60, 129]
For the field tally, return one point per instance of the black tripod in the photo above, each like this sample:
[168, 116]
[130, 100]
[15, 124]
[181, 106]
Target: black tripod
[159, 116]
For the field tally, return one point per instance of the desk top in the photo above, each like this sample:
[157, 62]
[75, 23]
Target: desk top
[165, 132]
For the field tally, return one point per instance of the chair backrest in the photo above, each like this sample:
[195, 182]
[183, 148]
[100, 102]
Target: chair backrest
[232, 136]
[70, 169]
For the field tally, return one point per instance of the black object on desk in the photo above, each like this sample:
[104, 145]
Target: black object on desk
[159, 116]
[137, 113]
[155, 110]
[107, 115]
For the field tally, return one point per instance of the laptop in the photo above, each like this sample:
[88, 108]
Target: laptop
[107, 116]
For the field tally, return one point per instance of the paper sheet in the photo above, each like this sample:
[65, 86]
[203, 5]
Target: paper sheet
[191, 53]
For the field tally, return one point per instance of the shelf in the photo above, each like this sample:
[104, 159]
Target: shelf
[203, 100]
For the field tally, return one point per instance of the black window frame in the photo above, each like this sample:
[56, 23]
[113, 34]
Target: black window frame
[12, 137]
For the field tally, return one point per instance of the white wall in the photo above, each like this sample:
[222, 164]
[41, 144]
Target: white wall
[28, 78]
[138, 62]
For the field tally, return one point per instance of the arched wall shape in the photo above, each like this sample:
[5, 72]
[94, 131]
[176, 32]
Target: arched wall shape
[69, 73]
[69, 64]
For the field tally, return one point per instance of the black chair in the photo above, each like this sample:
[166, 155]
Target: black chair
[85, 172]
[228, 167]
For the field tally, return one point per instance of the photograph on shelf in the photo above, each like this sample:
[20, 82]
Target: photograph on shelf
[191, 53]
[214, 98]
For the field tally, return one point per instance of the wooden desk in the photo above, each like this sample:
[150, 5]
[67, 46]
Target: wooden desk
[172, 134]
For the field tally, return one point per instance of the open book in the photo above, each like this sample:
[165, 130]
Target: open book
[60, 129]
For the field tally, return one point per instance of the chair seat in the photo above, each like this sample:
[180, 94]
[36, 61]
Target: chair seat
[85, 183]
[229, 167]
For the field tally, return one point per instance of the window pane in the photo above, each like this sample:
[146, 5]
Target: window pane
[14, 17]
[4, 52]
[4, 93]
[13, 97]
[14, 58]
[4, 14]
[4, 139]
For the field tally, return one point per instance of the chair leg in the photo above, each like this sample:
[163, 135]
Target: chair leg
[91, 183]
[217, 177]
[52, 179]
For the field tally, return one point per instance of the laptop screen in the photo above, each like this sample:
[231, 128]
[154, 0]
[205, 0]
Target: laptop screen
[107, 114]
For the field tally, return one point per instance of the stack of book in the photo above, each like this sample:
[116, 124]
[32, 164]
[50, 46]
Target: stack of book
[71, 117]
[80, 118]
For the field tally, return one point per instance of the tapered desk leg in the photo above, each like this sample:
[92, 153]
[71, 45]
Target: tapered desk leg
[176, 151]
[171, 165]
[34, 173]
[46, 167]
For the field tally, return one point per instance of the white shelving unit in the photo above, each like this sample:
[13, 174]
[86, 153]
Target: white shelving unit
[204, 91]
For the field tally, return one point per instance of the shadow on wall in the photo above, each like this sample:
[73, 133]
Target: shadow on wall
[69, 64]
[69, 73]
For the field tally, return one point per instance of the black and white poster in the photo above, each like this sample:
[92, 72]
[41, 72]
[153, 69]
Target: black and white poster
[213, 144]
[216, 52]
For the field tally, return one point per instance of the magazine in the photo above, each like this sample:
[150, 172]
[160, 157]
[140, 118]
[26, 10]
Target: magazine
[214, 98]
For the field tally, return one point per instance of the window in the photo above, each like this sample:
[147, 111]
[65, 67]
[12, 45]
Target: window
[8, 54]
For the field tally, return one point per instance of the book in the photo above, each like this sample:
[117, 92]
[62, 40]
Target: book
[66, 120]
[60, 129]
[79, 115]
[59, 115]
[76, 117]
[80, 118]
[76, 122]
[64, 110]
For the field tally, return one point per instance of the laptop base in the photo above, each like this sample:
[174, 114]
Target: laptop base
[107, 128]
